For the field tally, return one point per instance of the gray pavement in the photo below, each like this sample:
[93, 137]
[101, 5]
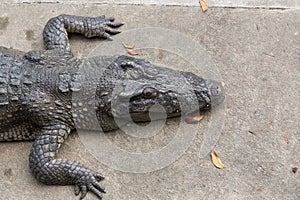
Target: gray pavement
[277, 4]
[257, 53]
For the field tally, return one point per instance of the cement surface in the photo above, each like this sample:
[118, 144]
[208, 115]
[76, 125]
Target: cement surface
[276, 4]
[257, 53]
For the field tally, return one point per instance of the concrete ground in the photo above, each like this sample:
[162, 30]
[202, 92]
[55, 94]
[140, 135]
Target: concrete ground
[257, 52]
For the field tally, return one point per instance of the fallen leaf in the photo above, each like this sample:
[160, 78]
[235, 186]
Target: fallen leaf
[128, 46]
[203, 5]
[286, 139]
[160, 54]
[193, 119]
[222, 84]
[216, 160]
[132, 52]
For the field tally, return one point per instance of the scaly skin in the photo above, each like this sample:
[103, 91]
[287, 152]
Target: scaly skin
[37, 92]
[57, 29]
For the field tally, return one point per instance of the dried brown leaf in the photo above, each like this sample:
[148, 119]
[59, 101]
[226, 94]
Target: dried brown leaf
[194, 119]
[286, 139]
[128, 46]
[160, 54]
[132, 52]
[216, 160]
[203, 5]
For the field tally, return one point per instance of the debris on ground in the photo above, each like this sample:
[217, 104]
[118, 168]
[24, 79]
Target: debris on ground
[128, 46]
[160, 54]
[294, 170]
[193, 119]
[286, 139]
[130, 50]
[222, 83]
[203, 5]
[216, 160]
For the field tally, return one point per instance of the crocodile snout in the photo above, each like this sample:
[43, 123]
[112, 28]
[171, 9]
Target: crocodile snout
[217, 92]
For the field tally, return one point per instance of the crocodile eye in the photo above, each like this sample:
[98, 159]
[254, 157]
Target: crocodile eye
[149, 93]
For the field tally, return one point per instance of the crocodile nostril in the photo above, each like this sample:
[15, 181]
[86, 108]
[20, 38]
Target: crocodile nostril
[216, 90]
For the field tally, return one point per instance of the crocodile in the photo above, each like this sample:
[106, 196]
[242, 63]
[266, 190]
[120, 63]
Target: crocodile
[45, 93]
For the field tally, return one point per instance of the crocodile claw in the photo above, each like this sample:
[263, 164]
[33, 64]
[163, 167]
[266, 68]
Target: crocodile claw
[109, 28]
[111, 22]
[90, 182]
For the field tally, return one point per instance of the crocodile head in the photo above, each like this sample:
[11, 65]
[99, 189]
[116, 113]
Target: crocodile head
[144, 89]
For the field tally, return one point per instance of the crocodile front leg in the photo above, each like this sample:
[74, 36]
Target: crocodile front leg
[56, 30]
[53, 171]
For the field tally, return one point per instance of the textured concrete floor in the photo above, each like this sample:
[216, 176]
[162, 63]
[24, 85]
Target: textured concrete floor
[257, 53]
[277, 4]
